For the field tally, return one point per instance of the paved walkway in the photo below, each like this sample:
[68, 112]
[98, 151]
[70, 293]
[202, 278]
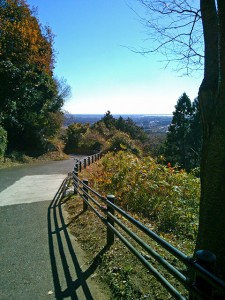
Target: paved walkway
[31, 189]
[38, 257]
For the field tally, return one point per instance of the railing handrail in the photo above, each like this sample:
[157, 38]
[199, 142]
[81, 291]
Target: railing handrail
[87, 193]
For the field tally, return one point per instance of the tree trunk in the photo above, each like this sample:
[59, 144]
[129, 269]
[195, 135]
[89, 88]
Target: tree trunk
[211, 235]
[212, 205]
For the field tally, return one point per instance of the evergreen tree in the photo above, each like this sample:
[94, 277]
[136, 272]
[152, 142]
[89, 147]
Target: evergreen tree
[109, 120]
[75, 132]
[184, 137]
[195, 135]
[177, 146]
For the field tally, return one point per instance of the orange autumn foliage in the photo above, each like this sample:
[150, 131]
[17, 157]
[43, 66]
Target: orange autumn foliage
[22, 39]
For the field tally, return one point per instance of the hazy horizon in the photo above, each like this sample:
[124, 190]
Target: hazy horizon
[123, 114]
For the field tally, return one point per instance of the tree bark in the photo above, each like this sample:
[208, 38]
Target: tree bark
[211, 235]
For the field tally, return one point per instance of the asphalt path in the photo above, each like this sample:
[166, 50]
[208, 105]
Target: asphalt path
[39, 259]
[11, 175]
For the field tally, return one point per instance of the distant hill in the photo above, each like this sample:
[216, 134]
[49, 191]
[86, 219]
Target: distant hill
[150, 123]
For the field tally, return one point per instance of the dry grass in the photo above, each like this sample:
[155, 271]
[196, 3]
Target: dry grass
[17, 159]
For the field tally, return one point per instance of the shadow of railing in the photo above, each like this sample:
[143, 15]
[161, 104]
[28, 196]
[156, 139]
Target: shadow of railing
[68, 277]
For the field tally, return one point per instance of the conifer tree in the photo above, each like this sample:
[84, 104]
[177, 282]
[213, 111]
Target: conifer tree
[195, 135]
[184, 139]
[177, 148]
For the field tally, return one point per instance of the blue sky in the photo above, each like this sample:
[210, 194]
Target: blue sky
[92, 42]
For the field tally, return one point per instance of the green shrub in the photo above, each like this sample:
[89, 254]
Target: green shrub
[16, 156]
[122, 141]
[74, 134]
[3, 141]
[91, 142]
[167, 196]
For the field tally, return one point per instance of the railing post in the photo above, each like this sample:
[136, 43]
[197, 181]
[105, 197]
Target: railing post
[75, 181]
[85, 189]
[80, 165]
[89, 161]
[92, 159]
[110, 234]
[207, 260]
[85, 163]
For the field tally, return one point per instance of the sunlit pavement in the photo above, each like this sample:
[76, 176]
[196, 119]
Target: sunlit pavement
[34, 244]
[29, 189]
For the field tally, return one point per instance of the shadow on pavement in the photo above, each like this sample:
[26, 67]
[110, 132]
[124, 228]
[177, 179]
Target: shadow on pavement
[67, 274]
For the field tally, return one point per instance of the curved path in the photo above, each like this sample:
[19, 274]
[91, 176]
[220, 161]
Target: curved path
[38, 257]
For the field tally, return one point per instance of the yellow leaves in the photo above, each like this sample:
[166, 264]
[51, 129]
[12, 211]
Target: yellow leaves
[22, 39]
[151, 189]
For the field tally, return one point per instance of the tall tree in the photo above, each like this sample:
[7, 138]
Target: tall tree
[212, 108]
[190, 46]
[184, 138]
[195, 134]
[177, 150]
[23, 39]
[29, 94]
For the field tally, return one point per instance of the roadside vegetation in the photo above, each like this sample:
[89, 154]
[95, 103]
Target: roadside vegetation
[164, 194]
[163, 198]
[31, 98]
[154, 190]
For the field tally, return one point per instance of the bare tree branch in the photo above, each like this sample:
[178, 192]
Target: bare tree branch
[174, 29]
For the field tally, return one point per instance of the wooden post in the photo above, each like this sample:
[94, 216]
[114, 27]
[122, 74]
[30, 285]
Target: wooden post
[89, 161]
[110, 234]
[85, 163]
[85, 189]
[207, 260]
[75, 181]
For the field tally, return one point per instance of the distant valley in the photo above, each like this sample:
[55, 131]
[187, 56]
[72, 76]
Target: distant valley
[150, 123]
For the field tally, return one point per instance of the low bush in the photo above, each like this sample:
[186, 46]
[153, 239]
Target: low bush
[122, 141]
[165, 195]
[19, 157]
[3, 141]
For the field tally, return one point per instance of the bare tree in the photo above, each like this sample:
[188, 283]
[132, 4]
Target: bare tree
[64, 89]
[192, 33]
[174, 28]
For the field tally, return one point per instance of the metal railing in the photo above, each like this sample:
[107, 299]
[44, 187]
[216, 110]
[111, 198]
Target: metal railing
[86, 161]
[204, 285]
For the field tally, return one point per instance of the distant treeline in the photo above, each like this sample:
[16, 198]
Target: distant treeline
[174, 140]
[150, 123]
